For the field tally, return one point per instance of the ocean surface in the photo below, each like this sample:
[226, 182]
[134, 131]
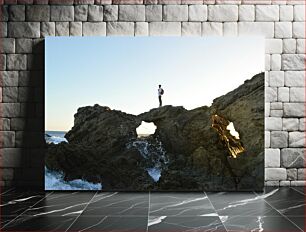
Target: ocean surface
[54, 180]
[55, 137]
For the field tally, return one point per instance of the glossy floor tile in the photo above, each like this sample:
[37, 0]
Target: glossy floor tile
[118, 204]
[40, 223]
[274, 210]
[61, 204]
[301, 190]
[14, 203]
[286, 201]
[110, 223]
[180, 224]
[259, 223]
[244, 204]
[180, 204]
[299, 221]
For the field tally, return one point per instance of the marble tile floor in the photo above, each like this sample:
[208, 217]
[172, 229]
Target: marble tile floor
[274, 210]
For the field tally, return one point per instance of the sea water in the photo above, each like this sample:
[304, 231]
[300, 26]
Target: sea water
[55, 137]
[54, 180]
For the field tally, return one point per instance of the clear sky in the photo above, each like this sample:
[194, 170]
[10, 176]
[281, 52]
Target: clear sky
[124, 72]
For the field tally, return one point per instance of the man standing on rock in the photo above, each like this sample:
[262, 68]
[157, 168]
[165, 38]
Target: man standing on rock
[160, 93]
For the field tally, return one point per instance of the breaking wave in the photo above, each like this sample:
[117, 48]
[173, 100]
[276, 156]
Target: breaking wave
[154, 154]
[54, 181]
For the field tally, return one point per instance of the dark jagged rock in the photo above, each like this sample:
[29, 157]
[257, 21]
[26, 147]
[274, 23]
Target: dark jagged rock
[96, 150]
[101, 126]
[198, 159]
[244, 107]
[117, 170]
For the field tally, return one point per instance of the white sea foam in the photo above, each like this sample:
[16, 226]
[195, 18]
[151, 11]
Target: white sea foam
[154, 153]
[56, 140]
[55, 137]
[54, 181]
[155, 173]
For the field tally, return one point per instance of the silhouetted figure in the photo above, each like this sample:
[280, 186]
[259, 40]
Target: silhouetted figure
[160, 93]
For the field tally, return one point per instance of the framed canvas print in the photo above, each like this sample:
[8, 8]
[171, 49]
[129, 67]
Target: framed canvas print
[154, 113]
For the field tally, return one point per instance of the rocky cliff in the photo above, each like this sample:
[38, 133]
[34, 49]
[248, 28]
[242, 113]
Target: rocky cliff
[201, 152]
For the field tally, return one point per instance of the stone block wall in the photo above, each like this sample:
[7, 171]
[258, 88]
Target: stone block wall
[25, 23]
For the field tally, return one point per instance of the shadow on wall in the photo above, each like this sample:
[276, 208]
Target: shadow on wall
[30, 138]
